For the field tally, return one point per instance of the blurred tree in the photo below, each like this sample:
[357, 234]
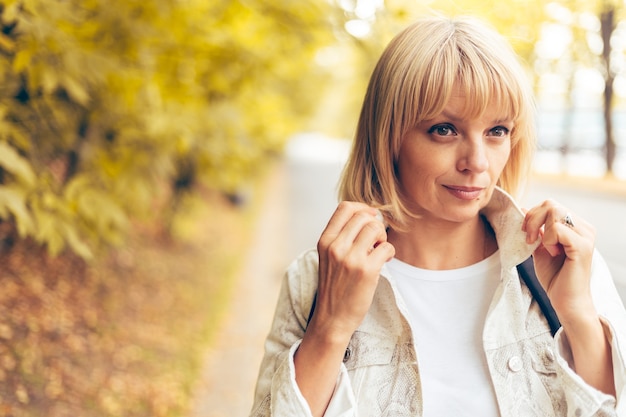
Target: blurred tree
[592, 41]
[105, 102]
[608, 22]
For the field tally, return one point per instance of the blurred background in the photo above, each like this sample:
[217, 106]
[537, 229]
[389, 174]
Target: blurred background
[161, 163]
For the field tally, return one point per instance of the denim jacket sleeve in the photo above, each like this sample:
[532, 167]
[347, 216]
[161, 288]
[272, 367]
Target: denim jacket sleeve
[582, 399]
[277, 393]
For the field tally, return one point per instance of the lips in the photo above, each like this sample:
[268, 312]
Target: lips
[463, 192]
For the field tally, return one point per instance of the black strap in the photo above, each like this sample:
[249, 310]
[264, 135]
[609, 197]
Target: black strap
[526, 271]
[312, 309]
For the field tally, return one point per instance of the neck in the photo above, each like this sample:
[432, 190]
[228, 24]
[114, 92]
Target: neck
[444, 246]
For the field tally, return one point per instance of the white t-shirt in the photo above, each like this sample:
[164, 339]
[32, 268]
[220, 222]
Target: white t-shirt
[447, 311]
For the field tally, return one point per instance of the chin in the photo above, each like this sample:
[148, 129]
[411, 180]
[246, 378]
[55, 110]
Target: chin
[467, 213]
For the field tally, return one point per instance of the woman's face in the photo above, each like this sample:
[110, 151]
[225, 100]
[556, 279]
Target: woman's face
[448, 166]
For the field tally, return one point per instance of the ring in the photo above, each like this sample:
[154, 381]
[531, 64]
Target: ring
[567, 221]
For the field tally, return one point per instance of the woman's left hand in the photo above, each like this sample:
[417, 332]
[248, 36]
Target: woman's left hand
[563, 266]
[563, 259]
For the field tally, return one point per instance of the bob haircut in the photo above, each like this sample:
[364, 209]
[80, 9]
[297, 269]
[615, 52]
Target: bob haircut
[413, 81]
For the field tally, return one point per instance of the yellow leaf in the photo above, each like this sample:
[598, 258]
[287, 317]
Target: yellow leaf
[22, 60]
[13, 201]
[75, 90]
[76, 244]
[17, 165]
[6, 44]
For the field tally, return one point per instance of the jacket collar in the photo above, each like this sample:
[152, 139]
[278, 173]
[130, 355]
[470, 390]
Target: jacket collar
[506, 218]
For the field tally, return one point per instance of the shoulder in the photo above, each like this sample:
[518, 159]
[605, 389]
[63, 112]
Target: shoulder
[301, 280]
[303, 270]
[304, 264]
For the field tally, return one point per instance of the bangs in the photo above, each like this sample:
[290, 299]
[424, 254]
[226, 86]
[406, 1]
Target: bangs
[483, 82]
[484, 90]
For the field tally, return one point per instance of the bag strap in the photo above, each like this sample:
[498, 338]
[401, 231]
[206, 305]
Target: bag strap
[526, 271]
[312, 309]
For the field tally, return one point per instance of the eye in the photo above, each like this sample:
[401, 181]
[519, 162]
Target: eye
[499, 131]
[442, 130]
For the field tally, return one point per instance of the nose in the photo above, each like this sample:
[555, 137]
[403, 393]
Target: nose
[473, 155]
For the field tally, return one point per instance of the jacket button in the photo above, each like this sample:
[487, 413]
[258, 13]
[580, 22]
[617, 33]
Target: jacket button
[550, 355]
[515, 364]
[347, 355]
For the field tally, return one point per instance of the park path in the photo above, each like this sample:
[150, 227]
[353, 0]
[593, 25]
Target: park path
[232, 362]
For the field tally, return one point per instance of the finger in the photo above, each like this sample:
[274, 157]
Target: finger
[381, 218]
[552, 235]
[540, 217]
[382, 253]
[346, 210]
[371, 234]
[560, 238]
[553, 249]
[361, 223]
[548, 221]
[550, 248]
[534, 221]
[358, 239]
[342, 215]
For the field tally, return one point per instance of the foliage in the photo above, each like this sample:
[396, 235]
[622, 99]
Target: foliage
[107, 105]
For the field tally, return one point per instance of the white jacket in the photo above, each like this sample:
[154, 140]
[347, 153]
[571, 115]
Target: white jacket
[529, 368]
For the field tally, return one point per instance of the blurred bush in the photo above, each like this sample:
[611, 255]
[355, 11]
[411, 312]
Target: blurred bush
[110, 107]
[115, 115]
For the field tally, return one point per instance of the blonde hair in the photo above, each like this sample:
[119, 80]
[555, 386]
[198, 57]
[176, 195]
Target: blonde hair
[413, 81]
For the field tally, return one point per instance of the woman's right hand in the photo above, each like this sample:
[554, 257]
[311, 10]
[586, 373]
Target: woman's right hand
[352, 250]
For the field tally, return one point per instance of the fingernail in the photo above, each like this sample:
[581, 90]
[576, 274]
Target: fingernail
[379, 216]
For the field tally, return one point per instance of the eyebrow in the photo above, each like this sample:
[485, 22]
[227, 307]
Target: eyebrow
[455, 118]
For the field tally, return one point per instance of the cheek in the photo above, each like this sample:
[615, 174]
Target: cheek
[418, 167]
[500, 158]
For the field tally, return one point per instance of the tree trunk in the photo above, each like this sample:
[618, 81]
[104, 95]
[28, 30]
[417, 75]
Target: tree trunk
[607, 22]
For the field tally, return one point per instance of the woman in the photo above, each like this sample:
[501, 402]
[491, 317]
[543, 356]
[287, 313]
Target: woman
[423, 313]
